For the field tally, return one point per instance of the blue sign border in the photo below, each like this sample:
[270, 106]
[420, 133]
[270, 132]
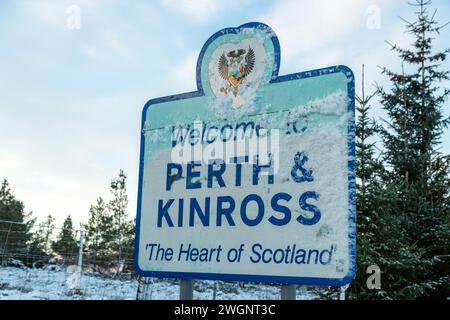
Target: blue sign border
[351, 169]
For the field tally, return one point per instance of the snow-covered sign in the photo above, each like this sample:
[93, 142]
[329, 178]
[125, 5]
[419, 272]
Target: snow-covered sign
[252, 176]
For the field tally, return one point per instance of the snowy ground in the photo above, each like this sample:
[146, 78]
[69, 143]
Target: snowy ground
[39, 284]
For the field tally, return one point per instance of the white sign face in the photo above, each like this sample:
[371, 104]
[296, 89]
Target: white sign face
[252, 177]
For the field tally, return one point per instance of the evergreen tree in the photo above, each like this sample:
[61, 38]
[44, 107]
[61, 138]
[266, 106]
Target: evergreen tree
[66, 243]
[122, 228]
[369, 194]
[98, 225]
[98, 233]
[14, 236]
[109, 232]
[417, 179]
[128, 244]
[40, 243]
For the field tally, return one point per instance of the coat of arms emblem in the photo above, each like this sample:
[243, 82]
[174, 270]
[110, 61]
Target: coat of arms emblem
[234, 67]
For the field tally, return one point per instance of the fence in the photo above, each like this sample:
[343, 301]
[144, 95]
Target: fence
[80, 272]
[36, 269]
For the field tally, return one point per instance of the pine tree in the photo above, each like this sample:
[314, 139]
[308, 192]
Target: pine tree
[369, 193]
[109, 232]
[98, 233]
[14, 237]
[40, 243]
[122, 228]
[66, 243]
[417, 179]
[95, 228]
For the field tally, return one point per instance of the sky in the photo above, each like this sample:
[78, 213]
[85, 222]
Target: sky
[75, 75]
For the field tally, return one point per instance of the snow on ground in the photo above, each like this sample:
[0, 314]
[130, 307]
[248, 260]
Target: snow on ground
[41, 284]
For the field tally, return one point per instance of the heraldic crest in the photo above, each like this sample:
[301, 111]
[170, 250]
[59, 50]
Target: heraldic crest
[234, 67]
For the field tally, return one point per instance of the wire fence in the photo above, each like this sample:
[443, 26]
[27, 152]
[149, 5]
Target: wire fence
[80, 272]
[33, 268]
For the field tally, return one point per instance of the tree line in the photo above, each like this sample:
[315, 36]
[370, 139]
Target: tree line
[108, 234]
[403, 185]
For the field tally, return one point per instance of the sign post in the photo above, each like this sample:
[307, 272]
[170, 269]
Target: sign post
[288, 292]
[252, 176]
[186, 289]
[80, 260]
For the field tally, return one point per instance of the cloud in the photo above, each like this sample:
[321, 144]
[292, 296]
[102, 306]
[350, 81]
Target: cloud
[105, 35]
[310, 30]
[185, 71]
[47, 13]
[198, 10]
[59, 160]
[201, 11]
[109, 47]
[54, 14]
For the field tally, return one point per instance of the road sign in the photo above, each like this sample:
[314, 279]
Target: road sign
[252, 176]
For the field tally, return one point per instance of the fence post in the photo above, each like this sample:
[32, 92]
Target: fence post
[5, 246]
[143, 289]
[342, 292]
[80, 259]
[288, 292]
[186, 289]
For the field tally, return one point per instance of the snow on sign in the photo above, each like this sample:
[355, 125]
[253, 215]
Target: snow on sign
[252, 176]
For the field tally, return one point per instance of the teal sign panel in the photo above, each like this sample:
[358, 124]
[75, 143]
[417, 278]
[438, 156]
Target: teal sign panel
[252, 176]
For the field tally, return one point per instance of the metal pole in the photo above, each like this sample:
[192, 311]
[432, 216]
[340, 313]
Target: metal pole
[143, 291]
[342, 292]
[4, 247]
[186, 289]
[80, 260]
[215, 290]
[11, 222]
[288, 292]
